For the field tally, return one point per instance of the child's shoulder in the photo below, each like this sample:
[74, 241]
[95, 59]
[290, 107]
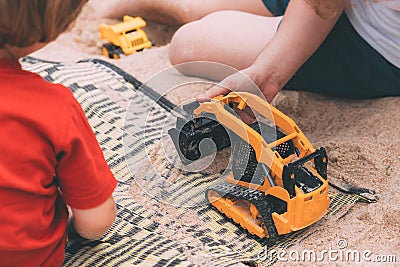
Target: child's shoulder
[43, 91]
[17, 81]
[30, 93]
[56, 98]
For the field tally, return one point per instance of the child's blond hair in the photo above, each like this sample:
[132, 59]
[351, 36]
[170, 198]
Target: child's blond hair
[25, 22]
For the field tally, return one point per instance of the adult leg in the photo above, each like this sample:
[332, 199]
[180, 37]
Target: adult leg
[232, 38]
[175, 12]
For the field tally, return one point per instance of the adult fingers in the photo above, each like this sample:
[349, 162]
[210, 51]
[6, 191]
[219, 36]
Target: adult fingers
[237, 82]
[214, 91]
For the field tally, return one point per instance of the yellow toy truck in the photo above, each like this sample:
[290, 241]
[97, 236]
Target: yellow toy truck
[278, 181]
[126, 37]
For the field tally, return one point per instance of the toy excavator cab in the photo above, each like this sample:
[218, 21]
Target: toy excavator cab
[126, 37]
[278, 183]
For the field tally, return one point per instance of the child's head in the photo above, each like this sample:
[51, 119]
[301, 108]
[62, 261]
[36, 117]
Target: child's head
[26, 22]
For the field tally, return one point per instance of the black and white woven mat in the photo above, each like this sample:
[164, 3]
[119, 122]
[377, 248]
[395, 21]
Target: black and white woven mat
[140, 235]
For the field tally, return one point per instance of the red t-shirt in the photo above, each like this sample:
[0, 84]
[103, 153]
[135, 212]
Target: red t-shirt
[43, 134]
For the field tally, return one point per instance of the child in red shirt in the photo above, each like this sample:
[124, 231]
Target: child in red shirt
[49, 156]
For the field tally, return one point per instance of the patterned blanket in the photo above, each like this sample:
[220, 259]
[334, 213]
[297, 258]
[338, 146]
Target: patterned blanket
[162, 219]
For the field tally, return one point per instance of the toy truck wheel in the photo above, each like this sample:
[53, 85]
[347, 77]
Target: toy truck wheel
[108, 50]
[112, 51]
[105, 52]
[117, 53]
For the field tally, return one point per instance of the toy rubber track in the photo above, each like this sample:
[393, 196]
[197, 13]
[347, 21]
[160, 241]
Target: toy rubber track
[258, 198]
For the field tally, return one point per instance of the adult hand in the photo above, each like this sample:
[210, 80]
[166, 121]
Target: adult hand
[243, 81]
[246, 80]
[300, 34]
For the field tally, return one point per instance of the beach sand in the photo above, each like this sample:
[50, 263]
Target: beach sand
[361, 137]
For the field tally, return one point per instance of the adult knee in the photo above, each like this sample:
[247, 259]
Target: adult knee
[185, 45]
[192, 42]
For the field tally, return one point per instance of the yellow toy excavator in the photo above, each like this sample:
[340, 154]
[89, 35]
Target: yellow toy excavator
[278, 182]
[126, 37]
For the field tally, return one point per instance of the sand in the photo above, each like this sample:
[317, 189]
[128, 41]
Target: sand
[361, 137]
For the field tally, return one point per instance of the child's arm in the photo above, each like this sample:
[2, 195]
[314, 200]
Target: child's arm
[301, 32]
[84, 177]
[93, 223]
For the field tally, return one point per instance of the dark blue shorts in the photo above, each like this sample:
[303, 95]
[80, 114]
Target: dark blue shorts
[344, 65]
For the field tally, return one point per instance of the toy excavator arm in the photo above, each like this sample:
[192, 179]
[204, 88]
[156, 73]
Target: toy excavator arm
[275, 116]
[263, 152]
